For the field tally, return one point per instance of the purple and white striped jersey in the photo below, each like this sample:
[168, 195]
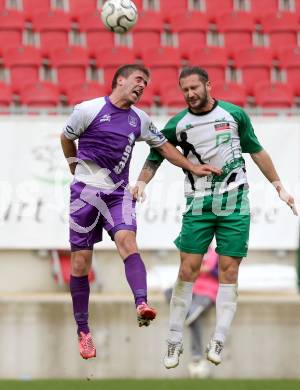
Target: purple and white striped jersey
[106, 134]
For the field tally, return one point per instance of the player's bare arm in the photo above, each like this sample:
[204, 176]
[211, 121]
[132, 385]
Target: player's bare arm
[69, 150]
[265, 164]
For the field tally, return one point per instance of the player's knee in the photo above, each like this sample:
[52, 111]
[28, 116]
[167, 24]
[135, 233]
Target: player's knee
[127, 245]
[230, 275]
[80, 265]
[188, 273]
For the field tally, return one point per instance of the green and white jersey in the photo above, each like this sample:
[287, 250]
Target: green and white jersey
[217, 137]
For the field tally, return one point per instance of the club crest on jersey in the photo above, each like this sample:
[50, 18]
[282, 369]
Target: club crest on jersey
[105, 118]
[132, 120]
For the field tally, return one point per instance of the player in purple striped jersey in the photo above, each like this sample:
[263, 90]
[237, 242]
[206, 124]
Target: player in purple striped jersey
[107, 128]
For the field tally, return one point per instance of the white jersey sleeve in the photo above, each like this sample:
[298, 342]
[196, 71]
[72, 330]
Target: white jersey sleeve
[149, 132]
[81, 117]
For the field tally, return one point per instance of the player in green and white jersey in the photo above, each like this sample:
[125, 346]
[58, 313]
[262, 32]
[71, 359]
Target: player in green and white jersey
[216, 133]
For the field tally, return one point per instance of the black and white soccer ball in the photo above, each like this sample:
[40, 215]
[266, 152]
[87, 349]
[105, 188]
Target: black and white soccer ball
[119, 16]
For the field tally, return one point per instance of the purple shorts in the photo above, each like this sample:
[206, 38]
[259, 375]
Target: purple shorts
[92, 209]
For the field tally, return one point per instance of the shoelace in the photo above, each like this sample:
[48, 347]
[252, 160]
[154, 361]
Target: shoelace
[88, 343]
[218, 347]
[171, 349]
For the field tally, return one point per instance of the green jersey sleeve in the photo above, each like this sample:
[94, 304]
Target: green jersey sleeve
[169, 132]
[248, 139]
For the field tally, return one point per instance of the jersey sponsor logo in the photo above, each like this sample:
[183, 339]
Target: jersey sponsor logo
[222, 126]
[105, 118]
[222, 138]
[132, 120]
[126, 154]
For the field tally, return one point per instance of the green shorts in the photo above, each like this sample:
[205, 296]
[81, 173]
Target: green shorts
[226, 216]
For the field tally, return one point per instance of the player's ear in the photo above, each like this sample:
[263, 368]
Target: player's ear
[120, 80]
[208, 85]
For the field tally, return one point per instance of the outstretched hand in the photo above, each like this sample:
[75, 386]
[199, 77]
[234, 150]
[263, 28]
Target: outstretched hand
[138, 191]
[205, 170]
[287, 198]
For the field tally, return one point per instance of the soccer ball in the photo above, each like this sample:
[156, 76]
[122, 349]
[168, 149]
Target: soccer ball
[119, 16]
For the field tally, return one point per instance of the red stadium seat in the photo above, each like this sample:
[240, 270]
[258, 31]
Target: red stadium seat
[166, 5]
[31, 6]
[77, 8]
[214, 7]
[84, 91]
[40, 95]
[2, 5]
[191, 28]
[6, 95]
[259, 7]
[12, 24]
[171, 96]
[24, 63]
[282, 28]
[237, 28]
[148, 29]
[146, 38]
[212, 59]
[290, 61]
[164, 63]
[53, 27]
[231, 92]
[255, 63]
[111, 59]
[71, 64]
[97, 36]
[275, 95]
[149, 21]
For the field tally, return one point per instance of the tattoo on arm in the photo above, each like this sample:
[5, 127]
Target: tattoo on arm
[151, 166]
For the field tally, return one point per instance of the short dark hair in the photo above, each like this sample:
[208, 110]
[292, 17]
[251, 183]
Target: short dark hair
[190, 70]
[126, 71]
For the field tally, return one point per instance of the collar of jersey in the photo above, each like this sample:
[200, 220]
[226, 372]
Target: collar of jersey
[204, 112]
[107, 99]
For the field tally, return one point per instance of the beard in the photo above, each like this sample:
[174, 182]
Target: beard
[202, 101]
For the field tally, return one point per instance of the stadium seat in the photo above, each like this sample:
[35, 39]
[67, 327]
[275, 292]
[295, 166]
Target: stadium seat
[53, 28]
[290, 61]
[6, 95]
[273, 95]
[148, 29]
[259, 7]
[31, 6]
[97, 36]
[23, 63]
[255, 63]
[166, 5]
[171, 96]
[191, 28]
[214, 7]
[110, 59]
[77, 8]
[282, 28]
[70, 63]
[12, 24]
[2, 5]
[164, 63]
[212, 59]
[149, 21]
[231, 92]
[237, 28]
[84, 91]
[40, 95]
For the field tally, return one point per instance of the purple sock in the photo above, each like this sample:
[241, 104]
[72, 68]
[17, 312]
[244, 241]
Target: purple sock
[136, 277]
[80, 292]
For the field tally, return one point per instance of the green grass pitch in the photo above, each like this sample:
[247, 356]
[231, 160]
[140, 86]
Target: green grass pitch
[147, 384]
